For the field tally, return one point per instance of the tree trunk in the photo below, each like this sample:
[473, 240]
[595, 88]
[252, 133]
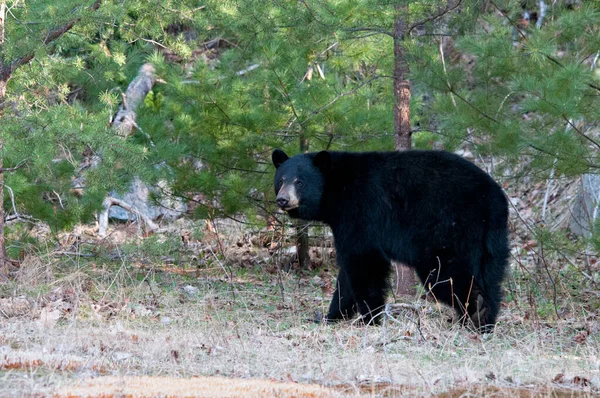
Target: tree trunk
[3, 82]
[405, 276]
[302, 226]
[402, 130]
[138, 89]
[2, 244]
[124, 122]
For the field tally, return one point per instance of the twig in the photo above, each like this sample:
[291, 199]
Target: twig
[352, 91]
[17, 215]
[541, 14]
[17, 167]
[248, 69]
[552, 280]
[373, 30]
[440, 12]
[59, 199]
[390, 310]
[75, 254]
[228, 271]
[550, 179]
[581, 133]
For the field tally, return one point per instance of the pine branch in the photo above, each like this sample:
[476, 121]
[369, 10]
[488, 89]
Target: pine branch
[463, 99]
[17, 167]
[334, 100]
[61, 30]
[371, 30]
[524, 38]
[18, 216]
[510, 21]
[7, 71]
[440, 12]
[581, 133]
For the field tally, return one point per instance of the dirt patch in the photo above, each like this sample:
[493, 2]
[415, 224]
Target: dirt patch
[513, 392]
[145, 386]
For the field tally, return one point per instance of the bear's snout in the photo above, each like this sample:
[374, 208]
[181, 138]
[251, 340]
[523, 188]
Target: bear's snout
[282, 202]
[287, 198]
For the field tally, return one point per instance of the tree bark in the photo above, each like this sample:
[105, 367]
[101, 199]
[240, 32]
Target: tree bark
[124, 122]
[402, 129]
[405, 276]
[302, 226]
[138, 89]
[2, 97]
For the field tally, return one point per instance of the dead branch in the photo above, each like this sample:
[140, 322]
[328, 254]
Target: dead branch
[138, 89]
[18, 216]
[371, 30]
[17, 167]
[110, 201]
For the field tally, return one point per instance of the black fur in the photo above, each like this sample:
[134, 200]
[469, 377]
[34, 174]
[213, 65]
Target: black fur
[432, 210]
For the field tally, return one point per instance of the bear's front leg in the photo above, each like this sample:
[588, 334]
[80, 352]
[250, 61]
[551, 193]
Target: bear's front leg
[342, 304]
[368, 273]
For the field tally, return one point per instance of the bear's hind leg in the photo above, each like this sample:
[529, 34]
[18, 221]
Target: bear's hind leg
[342, 304]
[469, 298]
[461, 291]
[484, 306]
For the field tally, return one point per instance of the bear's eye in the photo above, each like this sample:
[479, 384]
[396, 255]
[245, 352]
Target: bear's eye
[299, 183]
[280, 182]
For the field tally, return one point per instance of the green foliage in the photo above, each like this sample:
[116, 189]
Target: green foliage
[237, 79]
[533, 97]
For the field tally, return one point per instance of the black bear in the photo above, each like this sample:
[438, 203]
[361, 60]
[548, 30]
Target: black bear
[431, 210]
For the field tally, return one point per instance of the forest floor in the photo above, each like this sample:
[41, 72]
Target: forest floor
[219, 309]
[124, 319]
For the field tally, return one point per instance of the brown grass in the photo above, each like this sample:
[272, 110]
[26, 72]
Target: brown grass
[258, 335]
[103, 326]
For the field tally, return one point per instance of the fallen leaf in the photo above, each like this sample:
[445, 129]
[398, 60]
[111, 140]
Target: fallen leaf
[581, 381]
[559, 378]
[580, 337]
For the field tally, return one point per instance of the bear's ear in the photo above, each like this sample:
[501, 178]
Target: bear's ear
[323, 161]
[279, 157]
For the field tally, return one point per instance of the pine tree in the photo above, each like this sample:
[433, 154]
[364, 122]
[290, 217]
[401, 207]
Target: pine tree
[31, 40]
[59, 84]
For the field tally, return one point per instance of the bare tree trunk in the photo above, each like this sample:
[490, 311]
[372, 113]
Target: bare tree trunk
[302, 226]
[405, 276]
[110, 201]
[138, 89]
[3, 82]
[2, 244]
[124, 123]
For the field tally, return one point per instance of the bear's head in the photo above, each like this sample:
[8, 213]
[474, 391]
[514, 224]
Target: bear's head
[299, 182]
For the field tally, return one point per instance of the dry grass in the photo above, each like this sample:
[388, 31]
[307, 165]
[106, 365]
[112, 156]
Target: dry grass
[250, 329]
[81, 326]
